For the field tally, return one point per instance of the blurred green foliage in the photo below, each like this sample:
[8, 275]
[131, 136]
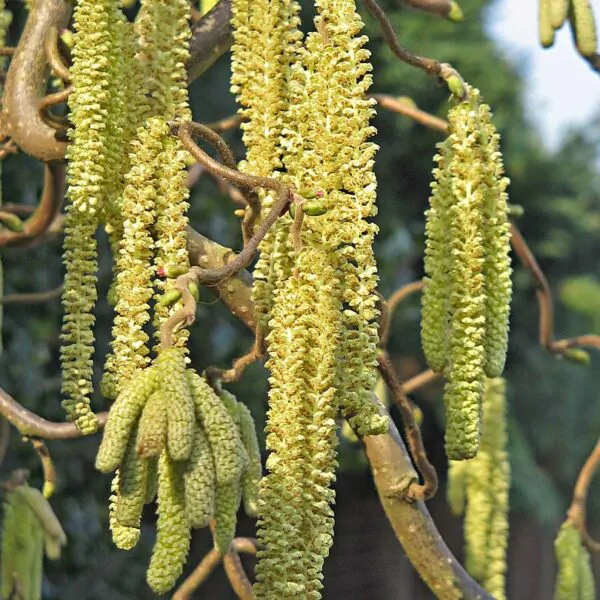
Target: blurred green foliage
[554, 414]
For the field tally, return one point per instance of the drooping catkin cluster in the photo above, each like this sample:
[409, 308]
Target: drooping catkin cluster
[575, 579]
[323, 330]
[30, 529]
[87, 178]
[169, 434]
[482, 484]
[466, 301]
[554, 13]
[267, 40]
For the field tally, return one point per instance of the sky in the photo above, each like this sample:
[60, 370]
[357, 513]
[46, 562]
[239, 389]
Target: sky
[563, 91]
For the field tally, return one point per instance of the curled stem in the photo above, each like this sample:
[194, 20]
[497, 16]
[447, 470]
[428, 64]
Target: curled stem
[430, 66]
[577, 510]
[53, 55]
[47, 102]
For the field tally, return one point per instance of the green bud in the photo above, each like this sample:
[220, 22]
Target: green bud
[194, 291]
[456, 86]
[577, 355]
[314, 209]
[456, 14]
[173, 271]
[169, 297]
[515, 210]
[12, 222]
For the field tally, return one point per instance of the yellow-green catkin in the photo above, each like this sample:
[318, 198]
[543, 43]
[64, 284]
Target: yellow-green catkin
[124, 538]
[134, 261]
[133, 483]
[559, 9]
[223, 436]
[181, 416]
[438, 263]
[466, 301]
[86, 178]
[122, 419]
[253, 474]
[295, 526]
[545, 28]
[328, 153]
[266, 37]
[199, 479]
[172, 530]
[152, 432]
[22, 550]
[227, 503]
[487, 491]
[574, 580]
[456, 491]
[583, 25]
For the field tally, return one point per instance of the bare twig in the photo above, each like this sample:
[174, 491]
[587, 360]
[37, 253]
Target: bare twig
[408, 110]
[31, 425]
[33, 298]
[233, 568]
[47, 102]
[54, 57]
[577, 510]
[414, 491]
[226, 124]
[392, 303]
[47, 466]
[546, 303]
[442, 8]
[414, 383]
[430, 66]
[43, 216]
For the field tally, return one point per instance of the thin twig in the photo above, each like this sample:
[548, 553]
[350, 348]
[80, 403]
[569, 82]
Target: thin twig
[47, 466]
[415, 491]
[546, 303]
[32, 298]
[392, 303]
[442, 8]
[414, 383]
[240, 364]
[577, 510]
[430, 66]
[31, 425]
[54, 57]
[408, 110]
[226, 124]
[47, 102]
[200, 574]
[237, 576]
[46, 211]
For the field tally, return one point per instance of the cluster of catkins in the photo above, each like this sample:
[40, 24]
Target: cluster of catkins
[554, 13]
[575, 579]
[30, 529]
[479, 488]
[170, 435]
[307, 122]
[466, 300]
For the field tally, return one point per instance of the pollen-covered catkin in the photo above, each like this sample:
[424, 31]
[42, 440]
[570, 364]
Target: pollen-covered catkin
[124, 538]
[487, 488]
[172, 530]
[545, 27]
[227, 503]
[86, 195]
[559, 9]
[437, 263]
[266, 38]
[466, 300]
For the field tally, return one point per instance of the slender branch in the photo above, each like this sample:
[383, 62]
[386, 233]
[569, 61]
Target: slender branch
[31, 425]
[577, 510]
[237, 576]
[546, 304]
[414, 383]
[392, 303]
[47, 466]
[410, 110]
[430, 66]
[54, 57]
[442, 8]
[225, 124]
[200, 574]
[47, 102]
[33, 298]
[43, 216]
[414, 491]
[393, 472]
